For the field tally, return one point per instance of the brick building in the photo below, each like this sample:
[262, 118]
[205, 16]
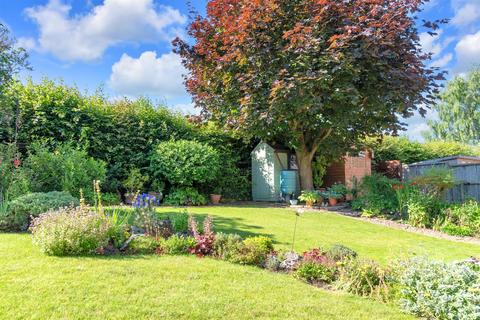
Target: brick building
[348, 167]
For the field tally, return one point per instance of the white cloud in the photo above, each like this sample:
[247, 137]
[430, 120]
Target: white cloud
[26, 43]
[149, 75]
[186, 108]
[468, 51]
[431, 44]
[443, 61]
[466, 14]
[86, 36]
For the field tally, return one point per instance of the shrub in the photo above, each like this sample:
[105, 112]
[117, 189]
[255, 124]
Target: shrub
[70, 231]
[32, 205]
[316, 272]
[13, 180]
[143, 245]
[339, 252]
[226, 246]
[466, 216]
[179, 221]
[135, 181]
[185, 163]
[272, 262]
[454, 230]
[111, 199]
[425, 209]
[377, 196]
[363, 277]
[438, 290]
[185, 197]
[65, 169]
[254, 251]
[177, 245]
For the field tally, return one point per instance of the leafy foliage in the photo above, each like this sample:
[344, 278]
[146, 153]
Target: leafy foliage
[121, 133]
[179, 221]
[401, 148]
[143, 245]
[32, 205]
[340, 252]
[436, 180]
[185, 163]
[135, 181]
[304, 75]
[64, 169]
[463, 219]
[13, 179]
[316, 272]
[205, 240]
[185, 197]
[254, 250]
[377, 196]
[458, 112]
[226, 246]
[177, 245]
[437, 290]
[12, 58]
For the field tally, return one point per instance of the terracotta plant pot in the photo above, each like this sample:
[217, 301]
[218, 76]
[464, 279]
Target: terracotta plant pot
[332, 202]
[215, 198]
[309, 204]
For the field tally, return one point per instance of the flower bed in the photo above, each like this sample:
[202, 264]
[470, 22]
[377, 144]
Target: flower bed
[336, 268]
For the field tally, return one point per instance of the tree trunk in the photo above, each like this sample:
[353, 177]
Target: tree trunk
[304, 162]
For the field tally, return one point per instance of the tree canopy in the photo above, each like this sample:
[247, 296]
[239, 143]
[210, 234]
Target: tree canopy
[12, 58]
[459, 110]
[308, 71]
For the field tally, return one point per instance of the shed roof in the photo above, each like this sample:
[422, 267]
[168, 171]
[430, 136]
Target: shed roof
[446, 159]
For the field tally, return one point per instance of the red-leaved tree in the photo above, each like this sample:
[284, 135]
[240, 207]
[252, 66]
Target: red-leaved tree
[309, 72]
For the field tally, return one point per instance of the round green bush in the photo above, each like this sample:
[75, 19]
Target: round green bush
[316, 272]
[185, 197]
[32, 205]
[185, 163]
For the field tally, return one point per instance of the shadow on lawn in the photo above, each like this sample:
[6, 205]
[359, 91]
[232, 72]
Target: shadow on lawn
[232, 225]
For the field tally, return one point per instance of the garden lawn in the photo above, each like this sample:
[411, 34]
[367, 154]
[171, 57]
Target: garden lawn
[36, 286]
[323, 229]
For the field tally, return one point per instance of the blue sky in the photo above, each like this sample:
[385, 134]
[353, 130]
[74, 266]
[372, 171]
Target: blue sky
[125, 45]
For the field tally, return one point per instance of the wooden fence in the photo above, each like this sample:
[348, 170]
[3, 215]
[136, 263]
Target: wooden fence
[467, 176]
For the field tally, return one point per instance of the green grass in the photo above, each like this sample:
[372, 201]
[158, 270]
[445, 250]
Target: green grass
[323, 229]
[35, 286]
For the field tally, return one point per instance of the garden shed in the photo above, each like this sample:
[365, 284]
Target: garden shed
[466, 171]
[268, 161]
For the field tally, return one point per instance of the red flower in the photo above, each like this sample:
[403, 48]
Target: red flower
[17, 163]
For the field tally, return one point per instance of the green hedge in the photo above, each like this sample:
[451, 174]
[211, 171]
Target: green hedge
[401, 148]
[123, 133]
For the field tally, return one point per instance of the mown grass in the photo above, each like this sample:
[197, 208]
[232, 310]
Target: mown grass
[35, 286]
[323, 229]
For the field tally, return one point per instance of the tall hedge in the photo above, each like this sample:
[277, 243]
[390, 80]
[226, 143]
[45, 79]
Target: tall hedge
[401, 148]
[122, 133]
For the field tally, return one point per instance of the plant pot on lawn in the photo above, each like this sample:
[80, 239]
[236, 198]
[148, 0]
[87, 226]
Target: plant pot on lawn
[215, 198]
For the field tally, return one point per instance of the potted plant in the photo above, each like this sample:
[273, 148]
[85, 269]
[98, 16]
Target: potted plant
[216, 196]
[333, 198]
[309, 197]
[339, 189]
[134, 184]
